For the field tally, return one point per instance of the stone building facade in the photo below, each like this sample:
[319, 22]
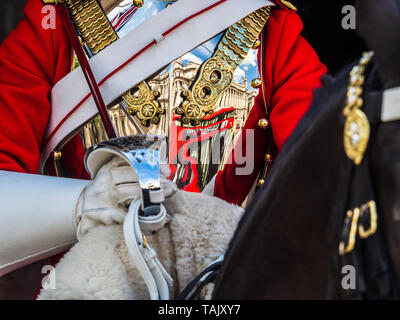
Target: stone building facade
[170, 84]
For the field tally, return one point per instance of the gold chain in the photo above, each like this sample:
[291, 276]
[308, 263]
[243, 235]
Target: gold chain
[356, 128]
[356, 136]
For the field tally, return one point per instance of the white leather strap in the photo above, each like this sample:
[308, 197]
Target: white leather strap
[183, 26]
[391, 105]
[37, 217]
[144, 257]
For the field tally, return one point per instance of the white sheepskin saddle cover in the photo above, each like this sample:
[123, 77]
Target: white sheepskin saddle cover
[100, 267]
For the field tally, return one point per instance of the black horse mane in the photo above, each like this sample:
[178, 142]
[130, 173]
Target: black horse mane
[286, 245]
[300, 232]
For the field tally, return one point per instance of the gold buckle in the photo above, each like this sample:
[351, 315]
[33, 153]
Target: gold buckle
[374, 220]
[356, 227]
[354, 215]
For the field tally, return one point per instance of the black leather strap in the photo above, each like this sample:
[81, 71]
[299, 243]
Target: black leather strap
[193, 289]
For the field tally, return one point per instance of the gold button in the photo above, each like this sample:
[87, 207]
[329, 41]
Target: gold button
[268, 158]
[57, 155]
[256, 83]
[260, 182]
[138, 3]
[256, 44]
[263, 123]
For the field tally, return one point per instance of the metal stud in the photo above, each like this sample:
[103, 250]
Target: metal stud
[256, 44]
[138, 3]
[57, 155]
[256, 83]
[263, 123]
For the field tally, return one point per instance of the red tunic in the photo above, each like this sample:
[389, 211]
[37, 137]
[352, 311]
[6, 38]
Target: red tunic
[292, 71]
[32, 60]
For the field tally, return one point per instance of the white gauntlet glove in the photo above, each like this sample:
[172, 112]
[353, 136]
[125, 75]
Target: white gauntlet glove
[106, 199]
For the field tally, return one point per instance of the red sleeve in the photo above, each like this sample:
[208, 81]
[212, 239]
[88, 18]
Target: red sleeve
[32, 60]
[292, 71]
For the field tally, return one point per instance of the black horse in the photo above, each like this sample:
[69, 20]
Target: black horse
[287, 244]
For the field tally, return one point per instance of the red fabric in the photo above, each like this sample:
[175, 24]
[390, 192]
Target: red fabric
[32, 60]
[292, 70]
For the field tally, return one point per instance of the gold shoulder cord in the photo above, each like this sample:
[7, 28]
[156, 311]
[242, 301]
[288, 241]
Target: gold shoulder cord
[356, 128]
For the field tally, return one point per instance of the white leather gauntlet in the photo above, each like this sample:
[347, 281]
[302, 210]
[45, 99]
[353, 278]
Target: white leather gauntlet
[105, 200]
